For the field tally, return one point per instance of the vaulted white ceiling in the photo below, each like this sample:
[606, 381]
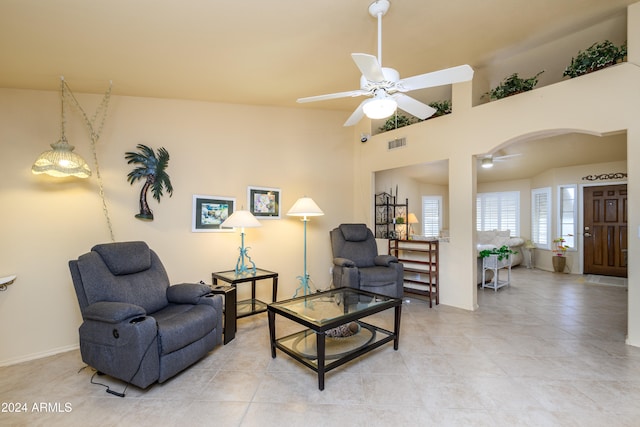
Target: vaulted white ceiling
[271, 52]
[264, 52]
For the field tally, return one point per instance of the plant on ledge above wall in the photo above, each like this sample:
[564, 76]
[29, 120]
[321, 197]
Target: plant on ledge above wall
[400, 120]
[397, 121]
[153, 169]
[513, 85]
[596, 57]
[442, 108]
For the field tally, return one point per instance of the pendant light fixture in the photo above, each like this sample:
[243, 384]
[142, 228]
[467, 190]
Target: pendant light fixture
[61, 161]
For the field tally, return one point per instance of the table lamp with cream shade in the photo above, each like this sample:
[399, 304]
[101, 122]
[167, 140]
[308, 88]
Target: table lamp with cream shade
[411, 219]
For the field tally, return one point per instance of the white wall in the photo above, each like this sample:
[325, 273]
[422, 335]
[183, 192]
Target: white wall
[598, 103]
[215, 150]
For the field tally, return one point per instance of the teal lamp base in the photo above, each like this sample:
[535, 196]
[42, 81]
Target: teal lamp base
[304, 286]
[241, 267]
[304, 279]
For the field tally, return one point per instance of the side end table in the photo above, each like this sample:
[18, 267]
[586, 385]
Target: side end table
[229, 293]
[251, 306]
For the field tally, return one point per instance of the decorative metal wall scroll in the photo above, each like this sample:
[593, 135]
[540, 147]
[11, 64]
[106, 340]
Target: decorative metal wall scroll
[605, 176]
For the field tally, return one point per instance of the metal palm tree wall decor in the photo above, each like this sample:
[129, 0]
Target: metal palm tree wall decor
[153, 169]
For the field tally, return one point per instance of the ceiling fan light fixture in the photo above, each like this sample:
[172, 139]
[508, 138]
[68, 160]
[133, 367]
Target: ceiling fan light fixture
[487, 163]
[380, 107]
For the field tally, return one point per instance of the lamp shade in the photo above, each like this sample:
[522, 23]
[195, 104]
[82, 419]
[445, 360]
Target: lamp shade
[412, 218]
[305, 206]
[61, 162]
[241, 219]
[379, 107]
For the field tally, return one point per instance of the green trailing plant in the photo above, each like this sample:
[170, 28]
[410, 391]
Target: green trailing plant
[512, 85]
[153, 169]
[502, 252]
[596, 57]
[442, 108]
[397, 121]
[400, 120]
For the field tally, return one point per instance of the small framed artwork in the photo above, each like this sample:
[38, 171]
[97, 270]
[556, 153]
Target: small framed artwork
[264, 203]
[209, 212]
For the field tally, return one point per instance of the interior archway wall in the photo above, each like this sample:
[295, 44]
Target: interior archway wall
[599, 103]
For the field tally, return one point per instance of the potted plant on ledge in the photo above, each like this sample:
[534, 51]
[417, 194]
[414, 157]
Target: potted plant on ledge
[596, 57]
[400, 120]
[513, 85]
[441, 107]
[397, 121]
[558, 259]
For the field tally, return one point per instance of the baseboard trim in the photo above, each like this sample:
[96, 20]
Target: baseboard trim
[39, 355]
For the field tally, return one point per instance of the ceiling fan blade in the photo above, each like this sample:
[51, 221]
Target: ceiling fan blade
[351, 93]
[368, 66]
[461, 73]
[414, 107]
[356, 116]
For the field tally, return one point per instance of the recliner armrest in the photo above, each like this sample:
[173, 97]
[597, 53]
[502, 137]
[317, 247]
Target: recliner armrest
[112, 312]
[187, 293]
[343, 262]
[384, 260]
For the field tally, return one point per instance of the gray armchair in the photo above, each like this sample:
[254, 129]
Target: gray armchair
[135, 326]
[356, 262]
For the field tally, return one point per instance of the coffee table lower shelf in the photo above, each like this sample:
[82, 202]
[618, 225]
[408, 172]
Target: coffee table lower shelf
[319, 314]
[303, 346]
[249, 307]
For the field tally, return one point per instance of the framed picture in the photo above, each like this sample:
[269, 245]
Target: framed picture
[211, 211]
[264, 203]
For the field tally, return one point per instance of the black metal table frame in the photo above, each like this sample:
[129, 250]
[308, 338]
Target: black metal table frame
[250, 278]
[322, 367]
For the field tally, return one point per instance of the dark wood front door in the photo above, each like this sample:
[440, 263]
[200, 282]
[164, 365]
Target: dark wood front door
[605, 230]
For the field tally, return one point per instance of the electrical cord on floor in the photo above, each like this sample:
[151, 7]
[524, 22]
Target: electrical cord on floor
[115, 393]
[122, 394]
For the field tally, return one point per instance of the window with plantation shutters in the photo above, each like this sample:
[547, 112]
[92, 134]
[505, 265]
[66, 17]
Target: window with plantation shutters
[541, 217]
[431, 215]
[568, 210]
[498, 211]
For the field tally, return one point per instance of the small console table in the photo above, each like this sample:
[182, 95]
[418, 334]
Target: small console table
[251, 306]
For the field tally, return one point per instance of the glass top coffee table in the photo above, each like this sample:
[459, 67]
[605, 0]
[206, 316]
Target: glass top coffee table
[324, 311]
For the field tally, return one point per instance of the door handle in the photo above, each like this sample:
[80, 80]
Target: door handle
[587, 234]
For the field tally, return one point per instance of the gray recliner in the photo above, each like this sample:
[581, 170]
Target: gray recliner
[135, 326]
[356, 262]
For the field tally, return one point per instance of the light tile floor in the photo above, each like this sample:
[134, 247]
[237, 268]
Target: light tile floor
[547, 351]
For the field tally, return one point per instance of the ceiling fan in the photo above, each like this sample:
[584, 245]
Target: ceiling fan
[487, 161]
[383, 86]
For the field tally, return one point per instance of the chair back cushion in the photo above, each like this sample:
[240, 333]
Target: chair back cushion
[125, 258]
[127, 272]
[354, 242]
